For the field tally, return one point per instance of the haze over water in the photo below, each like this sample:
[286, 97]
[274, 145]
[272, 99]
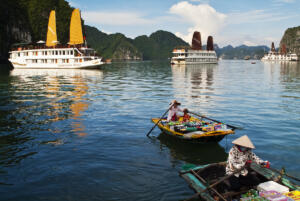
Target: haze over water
[80, 134]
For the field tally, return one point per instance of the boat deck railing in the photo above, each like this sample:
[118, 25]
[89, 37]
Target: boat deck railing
[43, 46]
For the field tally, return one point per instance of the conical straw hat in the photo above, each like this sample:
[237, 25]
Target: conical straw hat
[244, 141]
[174, 102]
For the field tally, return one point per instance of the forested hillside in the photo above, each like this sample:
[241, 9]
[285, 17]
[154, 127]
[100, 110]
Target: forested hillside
[291, 39]
[240, 52]
[26, 21]
[113, 46]
[117, 46]
[158, 45]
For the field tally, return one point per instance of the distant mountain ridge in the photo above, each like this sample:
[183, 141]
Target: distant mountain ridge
[242, 51]
[158, 45]
[114, 46]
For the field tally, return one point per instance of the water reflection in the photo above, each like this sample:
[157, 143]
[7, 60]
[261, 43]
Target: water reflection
[196, 81]
[285, 76]
[283, 71]
[34, 104]
[79, 105]
[64, 88]
[193, 153]
[289, 71]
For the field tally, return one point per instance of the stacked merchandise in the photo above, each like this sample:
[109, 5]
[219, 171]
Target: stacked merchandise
[271, 191]
[274, 196]
[252, 195]
[186, 127]
[295, 195]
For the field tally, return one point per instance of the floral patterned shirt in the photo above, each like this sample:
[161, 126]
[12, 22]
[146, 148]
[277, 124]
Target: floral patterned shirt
[237, 159]
[173, 111]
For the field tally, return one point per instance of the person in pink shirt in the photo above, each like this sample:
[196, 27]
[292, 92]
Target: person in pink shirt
[173, 112]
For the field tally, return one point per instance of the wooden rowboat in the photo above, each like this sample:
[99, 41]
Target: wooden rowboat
[196, 130]
[210, 182]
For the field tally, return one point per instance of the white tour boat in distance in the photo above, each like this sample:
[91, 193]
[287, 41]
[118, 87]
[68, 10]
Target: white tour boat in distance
[195, 54]
[275, 56]
[53, 55]
[189, 56]
[279, 56]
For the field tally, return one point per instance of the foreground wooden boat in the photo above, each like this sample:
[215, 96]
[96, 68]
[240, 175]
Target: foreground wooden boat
[196, 130]
[210, 182]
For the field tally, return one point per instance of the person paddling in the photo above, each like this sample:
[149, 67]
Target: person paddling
[173, 112]
[241, 155]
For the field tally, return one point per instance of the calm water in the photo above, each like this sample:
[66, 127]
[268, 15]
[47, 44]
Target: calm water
[80, 134]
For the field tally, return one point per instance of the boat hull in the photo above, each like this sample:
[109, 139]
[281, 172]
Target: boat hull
[188, 63]
[199, 176]
[274, 56]
[87, 65]
[212, 136]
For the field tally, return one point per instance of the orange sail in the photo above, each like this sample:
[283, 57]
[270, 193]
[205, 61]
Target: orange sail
[51, 34]
[76, 36]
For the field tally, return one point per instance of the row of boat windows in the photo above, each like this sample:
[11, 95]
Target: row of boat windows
[278, 57]
[39, 53]
[39, 61]
[201, 60]
[194, 54]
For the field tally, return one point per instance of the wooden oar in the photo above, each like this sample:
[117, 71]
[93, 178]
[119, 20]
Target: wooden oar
[202, 116]
[159, 120]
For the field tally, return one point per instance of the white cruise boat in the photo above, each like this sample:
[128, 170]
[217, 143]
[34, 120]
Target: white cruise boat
[282, 55]
[275, 56]
[195, 54]
[189, 56]
[52, 55]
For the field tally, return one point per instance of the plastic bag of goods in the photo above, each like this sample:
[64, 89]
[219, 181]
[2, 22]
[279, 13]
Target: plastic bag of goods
[272, 186]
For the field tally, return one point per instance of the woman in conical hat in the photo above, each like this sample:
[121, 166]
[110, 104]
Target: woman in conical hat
[244, 141]
[240, 155]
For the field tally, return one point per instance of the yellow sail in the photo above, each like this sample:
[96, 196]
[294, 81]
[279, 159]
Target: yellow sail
[51, 34]
[76, 36]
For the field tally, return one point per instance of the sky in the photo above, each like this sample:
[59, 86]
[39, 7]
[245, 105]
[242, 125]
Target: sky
[230, 22]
